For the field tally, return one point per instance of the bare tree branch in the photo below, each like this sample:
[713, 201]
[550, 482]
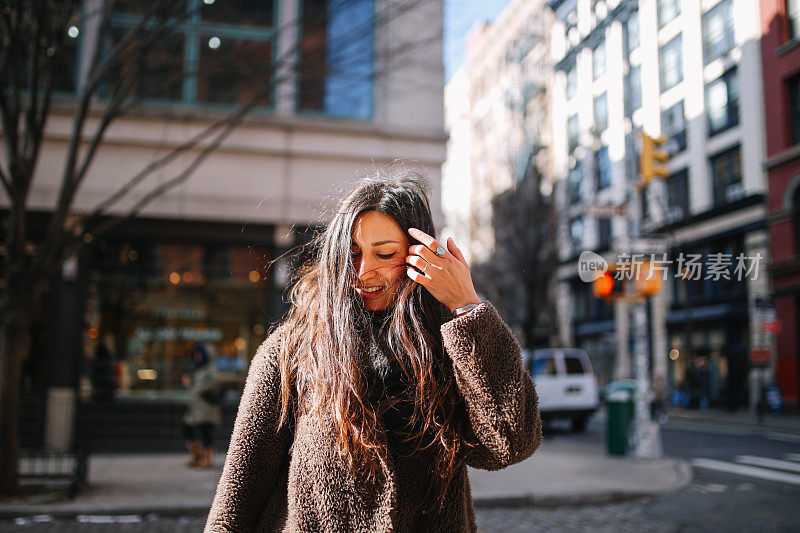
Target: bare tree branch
[6, 183]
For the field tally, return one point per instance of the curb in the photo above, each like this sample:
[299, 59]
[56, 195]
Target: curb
[71, 511]
[483, 502]
[741, 426]
[588, 498]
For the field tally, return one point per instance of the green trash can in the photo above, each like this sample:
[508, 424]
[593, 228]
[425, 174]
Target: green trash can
[619, 414]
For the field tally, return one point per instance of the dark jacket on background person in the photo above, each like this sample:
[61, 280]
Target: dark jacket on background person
[266, 486]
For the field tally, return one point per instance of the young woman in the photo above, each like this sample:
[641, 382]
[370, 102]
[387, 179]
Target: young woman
[387, 379]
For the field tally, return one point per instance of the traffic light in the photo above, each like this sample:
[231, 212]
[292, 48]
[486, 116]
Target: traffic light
[652, 161]
[608, 287]
[648, 280]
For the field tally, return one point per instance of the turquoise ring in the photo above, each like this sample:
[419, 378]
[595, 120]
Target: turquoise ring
[439, 251]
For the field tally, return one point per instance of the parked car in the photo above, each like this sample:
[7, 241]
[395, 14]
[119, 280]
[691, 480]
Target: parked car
[565, 383]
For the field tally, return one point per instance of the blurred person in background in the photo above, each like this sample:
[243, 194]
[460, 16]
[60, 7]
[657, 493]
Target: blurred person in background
[204, 412]
[103, 381]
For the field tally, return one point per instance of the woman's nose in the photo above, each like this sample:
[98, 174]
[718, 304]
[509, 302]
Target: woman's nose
[365, 270]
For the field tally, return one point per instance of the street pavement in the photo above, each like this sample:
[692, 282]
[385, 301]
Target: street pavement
[567, 473]
[745, 478]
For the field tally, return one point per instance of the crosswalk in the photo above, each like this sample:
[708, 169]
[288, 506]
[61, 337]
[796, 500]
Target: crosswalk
[784, 470]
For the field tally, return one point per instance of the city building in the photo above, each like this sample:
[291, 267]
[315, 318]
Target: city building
[673, 69]
[496, 111]
[357, 83]
[780, 53]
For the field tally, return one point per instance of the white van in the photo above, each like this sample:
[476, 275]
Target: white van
[565, 383]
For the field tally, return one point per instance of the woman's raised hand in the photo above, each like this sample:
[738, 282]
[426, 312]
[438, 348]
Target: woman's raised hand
[444, 272]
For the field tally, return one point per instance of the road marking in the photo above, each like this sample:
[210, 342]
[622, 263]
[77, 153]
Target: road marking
[785, 437]
[768, 462]
[792, 456]
[695, 427]
[752, 471]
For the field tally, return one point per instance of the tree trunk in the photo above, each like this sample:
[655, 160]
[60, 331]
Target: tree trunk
[14, 328]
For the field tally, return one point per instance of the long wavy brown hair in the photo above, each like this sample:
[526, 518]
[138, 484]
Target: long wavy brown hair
[323, 358]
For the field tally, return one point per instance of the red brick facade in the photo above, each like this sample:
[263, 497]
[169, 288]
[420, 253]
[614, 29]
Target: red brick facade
[781, 63]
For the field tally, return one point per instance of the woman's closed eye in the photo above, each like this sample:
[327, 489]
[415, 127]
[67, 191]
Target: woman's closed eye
[356, 253]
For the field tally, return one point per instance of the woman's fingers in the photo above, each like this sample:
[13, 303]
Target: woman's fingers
[425, 253]
[418, 277]
[428, 241]
[419, 262]
[451, 245]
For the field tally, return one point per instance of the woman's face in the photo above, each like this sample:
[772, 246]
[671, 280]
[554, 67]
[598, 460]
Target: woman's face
[379, 251]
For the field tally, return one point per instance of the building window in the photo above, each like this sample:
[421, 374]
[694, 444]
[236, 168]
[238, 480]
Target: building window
[222, 53]
[726, 173]
[667, 11]
[65, 70]
[635, 80]
[722, 102]
[599, 60]
[644, 204]
[793, 85]
[604, 227]
[336, 67]
[571, 34]
[601, 112]
[602, 168]
[574, 180]
[576, 233]
[717, 31]
[632, 29]
[796, 218]
[793, 14]
[671, 64]
[673, 127]
[678, 196]
[573, 132]
[572, 82]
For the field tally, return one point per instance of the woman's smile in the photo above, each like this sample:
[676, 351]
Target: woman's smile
[371, 292]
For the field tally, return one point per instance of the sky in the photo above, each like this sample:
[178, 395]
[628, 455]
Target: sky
[459, 16]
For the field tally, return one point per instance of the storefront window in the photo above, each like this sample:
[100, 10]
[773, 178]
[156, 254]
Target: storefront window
[155, 300]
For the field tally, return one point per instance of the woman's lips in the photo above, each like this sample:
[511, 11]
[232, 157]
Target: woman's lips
[370, 295]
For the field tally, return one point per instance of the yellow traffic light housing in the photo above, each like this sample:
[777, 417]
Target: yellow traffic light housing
[648, 280]
[652, 160]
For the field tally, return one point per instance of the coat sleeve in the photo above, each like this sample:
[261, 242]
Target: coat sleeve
[502, 411]
[256, 449]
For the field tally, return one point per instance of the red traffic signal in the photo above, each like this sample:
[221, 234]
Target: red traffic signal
[608, 287]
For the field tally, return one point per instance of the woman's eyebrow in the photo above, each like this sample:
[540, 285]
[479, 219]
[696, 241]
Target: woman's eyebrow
[354, 243]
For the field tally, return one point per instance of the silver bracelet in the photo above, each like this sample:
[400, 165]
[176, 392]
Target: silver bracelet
[466, 309]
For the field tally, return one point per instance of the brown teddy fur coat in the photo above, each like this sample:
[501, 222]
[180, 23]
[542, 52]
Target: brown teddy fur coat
[263, 487]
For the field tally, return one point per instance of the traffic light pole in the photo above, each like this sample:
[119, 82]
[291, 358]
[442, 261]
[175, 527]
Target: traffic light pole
[646, 433]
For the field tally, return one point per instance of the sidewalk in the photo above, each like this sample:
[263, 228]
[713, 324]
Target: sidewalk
[557, 474]
[782, 423]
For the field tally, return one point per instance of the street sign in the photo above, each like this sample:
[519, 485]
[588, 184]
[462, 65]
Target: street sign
[764, 303]
[641, 245]
[760, 356]
[607, 210]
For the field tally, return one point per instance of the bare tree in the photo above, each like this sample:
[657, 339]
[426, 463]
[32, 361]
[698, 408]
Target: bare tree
[34, 36]
[519, 275]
